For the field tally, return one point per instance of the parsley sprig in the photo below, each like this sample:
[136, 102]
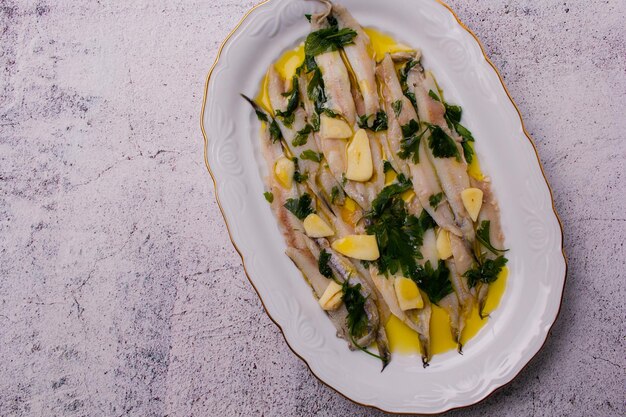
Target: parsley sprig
[323, 266]
[482, 235]
[288, 114]
[399, 234]
[485, 271]
[453, 116]
[441, 144]
[434, 282]
[411, 138]
[379, 123]
[327, 40]
[274, 130]
[300, 207]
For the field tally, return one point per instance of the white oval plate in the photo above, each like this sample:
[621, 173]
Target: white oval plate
[516, 330]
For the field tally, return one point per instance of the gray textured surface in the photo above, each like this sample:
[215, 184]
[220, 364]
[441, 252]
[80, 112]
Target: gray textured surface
[120, 293]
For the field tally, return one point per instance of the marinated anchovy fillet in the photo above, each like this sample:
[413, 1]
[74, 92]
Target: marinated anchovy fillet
[405, 129]
[359, 57]
[368, 180]
[490, 212]
[443, 150]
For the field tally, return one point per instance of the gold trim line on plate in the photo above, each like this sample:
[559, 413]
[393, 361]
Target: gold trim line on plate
[206, 162]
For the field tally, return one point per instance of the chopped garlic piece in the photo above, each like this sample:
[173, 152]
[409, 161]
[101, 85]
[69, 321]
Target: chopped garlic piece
[315, 226]
[359, 158]
[333, 128]
[408, 294]
[284, 168]
[331, 299]
[362, 247]
[473, 201]
[444, 248]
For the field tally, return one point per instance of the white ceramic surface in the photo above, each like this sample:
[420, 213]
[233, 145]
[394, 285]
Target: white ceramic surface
[516, 330]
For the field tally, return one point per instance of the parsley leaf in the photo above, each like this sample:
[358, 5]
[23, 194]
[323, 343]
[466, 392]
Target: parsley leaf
[382, 199]
[292, 104]
[300, 207]
[427, 222]
[311, 155]
[404, 73]
[309, 63]
[411, 97]
[409, 146]
[442, 145]
[322, 264]
[399, 234]
[275, 133]
[302, 136]
[482, 235]
[380, 122]
[274, 130]
[269, 196]
[315, 90]
[453, 116]
[387, 167]
[299, 177]
[433, 95]
[327, 40]
[468, 152]
[397, 107]
[434, 282]
[355, 304]
[308, 17]
[486, 271]
[435, 199]
[362, 122]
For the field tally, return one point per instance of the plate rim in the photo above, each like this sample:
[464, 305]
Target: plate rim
[243, 262]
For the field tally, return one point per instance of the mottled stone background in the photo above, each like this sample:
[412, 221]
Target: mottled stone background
[120, 291]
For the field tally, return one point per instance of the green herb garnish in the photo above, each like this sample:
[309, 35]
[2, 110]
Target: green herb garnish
[269, 196]
[300, 177]
[300, 207]
[482, 235]
[315, 90]
[468, 152]
[380, 122]
[327, 40]
[311, 155]
[404, 73]
[435, 199]
[302, 136]
[387, 193]
[322, 264]
[434, 282]
[427, 222]
[485, 271]
[387, 167]
[397, 107]
[399, 234]
[275, 133]
[288, 114]
[442, 145]
[409, 146]
[355, 304]
[334, 194]
[453, 116]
